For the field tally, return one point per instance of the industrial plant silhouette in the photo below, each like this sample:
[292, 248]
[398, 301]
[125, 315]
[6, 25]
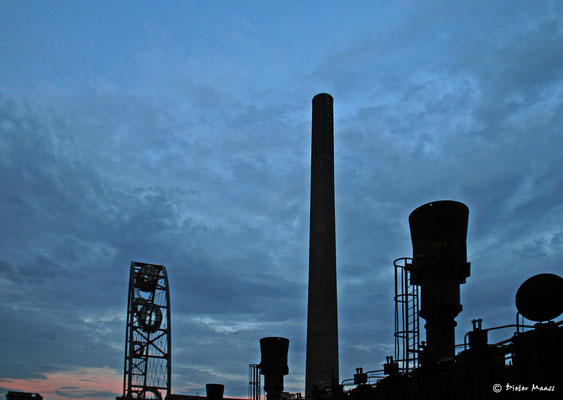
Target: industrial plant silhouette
[525, 365]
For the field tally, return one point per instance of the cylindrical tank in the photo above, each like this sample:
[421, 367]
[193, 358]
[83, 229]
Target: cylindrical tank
[439, 233]
[214, 391]
[274, 354]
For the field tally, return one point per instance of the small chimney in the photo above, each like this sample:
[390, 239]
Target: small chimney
[214, 391]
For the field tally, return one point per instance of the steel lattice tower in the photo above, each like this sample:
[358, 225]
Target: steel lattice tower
[147, 370]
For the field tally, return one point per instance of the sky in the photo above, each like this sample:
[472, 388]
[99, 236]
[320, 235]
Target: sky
[179, 133]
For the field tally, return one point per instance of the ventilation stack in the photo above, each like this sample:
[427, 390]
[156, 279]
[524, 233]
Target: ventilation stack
[273, 365]
[322, 318]
[214, 391]
[439, 234]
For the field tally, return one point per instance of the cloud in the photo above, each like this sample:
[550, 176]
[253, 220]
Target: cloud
[90, 223]
[83, 383]
[197, 167]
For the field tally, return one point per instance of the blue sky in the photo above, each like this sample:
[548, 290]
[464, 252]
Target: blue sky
[178, 133]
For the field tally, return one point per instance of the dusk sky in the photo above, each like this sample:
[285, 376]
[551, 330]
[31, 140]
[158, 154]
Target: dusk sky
[179, 133]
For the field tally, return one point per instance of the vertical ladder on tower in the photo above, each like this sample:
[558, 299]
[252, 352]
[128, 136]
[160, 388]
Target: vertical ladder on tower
[407, 327]
[254, 382]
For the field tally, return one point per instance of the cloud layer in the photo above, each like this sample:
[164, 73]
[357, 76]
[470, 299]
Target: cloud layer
[193, 151]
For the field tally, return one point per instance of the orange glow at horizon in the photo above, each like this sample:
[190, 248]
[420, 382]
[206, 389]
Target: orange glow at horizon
[79, 384]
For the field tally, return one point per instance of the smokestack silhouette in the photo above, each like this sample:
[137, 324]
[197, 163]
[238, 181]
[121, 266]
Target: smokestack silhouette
[322, 317]
[274, 365]
[439, 241]
[214, 391]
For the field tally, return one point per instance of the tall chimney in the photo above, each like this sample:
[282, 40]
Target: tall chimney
[322, 314]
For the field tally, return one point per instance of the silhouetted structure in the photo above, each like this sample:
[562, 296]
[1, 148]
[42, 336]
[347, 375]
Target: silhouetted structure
[322, 313]
[193, 397]
[214, 391]
[12, 395]
[527, 365]
[540, 298]
[147, 370]
[407, 318]
[428, 286]
[273, 365]
[254, 382]
[438, 232]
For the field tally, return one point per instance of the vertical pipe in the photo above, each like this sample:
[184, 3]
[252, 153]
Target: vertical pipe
[129, 334]
[322, 318]
[168, 336]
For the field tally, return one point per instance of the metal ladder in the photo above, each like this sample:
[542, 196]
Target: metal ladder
[407, 326]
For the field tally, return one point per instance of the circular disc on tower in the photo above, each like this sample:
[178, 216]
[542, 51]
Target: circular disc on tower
[150, 317]
[147, 277]
[540, 298]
